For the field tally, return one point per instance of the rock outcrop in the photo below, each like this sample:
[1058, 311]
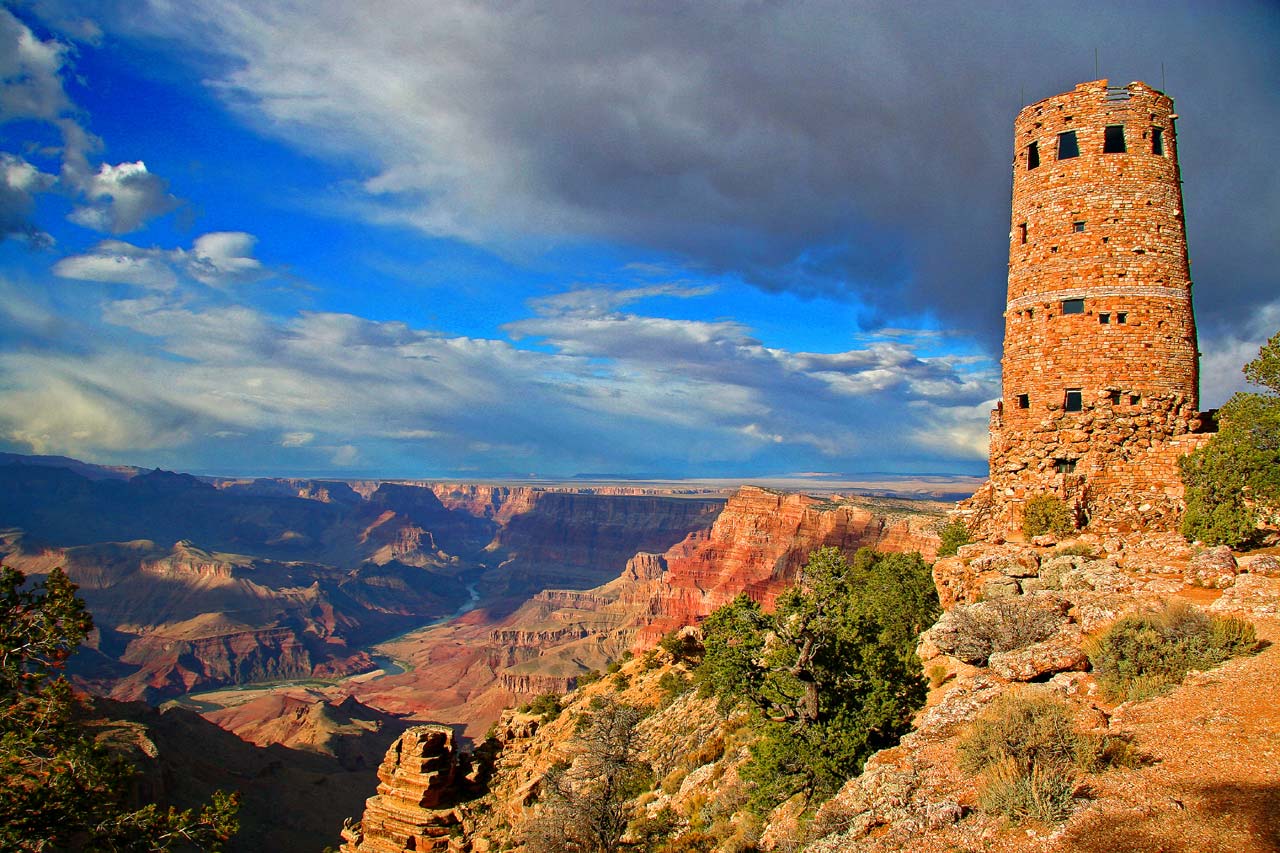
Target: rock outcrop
[418, 791]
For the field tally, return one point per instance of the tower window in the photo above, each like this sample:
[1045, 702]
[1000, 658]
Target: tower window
[1115, 398]
[1033, 156]
[1077, 226]
[1068, 147]
[1024, 401]
[1073, 306]
[1065, 466]
[1122, 318]
[1135, 399]
[1113, 139]
[1074, 401]
[1022, 231]
[1104, 319]
[1157, 141]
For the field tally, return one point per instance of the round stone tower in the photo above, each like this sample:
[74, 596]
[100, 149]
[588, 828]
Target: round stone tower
[1100, 367]
[1099, 287]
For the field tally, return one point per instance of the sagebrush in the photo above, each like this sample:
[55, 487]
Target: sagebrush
[1141, 656]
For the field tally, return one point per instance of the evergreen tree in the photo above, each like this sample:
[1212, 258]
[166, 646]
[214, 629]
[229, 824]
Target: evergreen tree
[1233, 482]
[62, 791]
[832, 674]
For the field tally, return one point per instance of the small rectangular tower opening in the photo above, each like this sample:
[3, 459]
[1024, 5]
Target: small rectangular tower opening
[1077, 226]
[1024, 401]
[1074, 401]
[1157, 141]
[1113, 139]
[1073, 306]
[1022, 232]
[1104, 319]
[1068, 147]
[1033, 156]
[1065, 466]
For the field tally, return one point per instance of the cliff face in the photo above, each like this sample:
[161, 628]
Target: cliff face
[761, 540]
[580, 540]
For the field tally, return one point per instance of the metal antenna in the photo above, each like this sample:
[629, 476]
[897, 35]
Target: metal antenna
[1095, 63]
[1163, 86]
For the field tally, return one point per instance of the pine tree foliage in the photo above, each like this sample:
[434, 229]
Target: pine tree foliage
[63, 791]
[1233, 482]
[831, 674]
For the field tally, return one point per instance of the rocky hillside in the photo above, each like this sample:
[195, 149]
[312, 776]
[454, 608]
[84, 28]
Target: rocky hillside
[1188, 767]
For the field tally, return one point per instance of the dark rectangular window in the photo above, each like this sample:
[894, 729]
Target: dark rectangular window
[1113, 140]
[1135, 399]
[1157, 141]
[1065, 466]
[1033, 155]
[1104, 319]
[1077, 226]
[1115, 398]
[1024, 401]
[1068, 147]
[1122, 318]
[1022, 229]
[1073, 306]
[1074, 401]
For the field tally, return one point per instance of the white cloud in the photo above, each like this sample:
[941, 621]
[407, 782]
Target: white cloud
[218, 258]
[122, 198]
[116, 262]
[20, 182]
[297, 439]
[30, 73]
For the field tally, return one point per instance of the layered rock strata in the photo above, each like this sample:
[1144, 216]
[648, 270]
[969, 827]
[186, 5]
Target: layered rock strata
[415, 807]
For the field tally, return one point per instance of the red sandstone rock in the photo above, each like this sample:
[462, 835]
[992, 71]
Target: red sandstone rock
[414, 807]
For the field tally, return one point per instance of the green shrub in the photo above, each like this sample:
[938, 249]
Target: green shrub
[1141, 656]
[1044, 793]
[830, 676]
[954, 534]
[673, 684]
[1029, 756]
[649, 661]
[1047, 514]
[1233, 481]
[683, 648]
[547, 705]
[588, 678]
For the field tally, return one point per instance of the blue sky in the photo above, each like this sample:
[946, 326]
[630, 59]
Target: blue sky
[461, 239]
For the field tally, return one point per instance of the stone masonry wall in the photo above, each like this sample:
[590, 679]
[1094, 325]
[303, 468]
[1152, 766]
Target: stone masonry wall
[1100, 367]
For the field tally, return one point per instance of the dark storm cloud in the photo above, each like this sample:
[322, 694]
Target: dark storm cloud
[824, 148]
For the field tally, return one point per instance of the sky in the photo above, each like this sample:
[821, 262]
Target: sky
[488, 240]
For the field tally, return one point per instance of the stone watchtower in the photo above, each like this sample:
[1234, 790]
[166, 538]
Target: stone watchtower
[1100, 369]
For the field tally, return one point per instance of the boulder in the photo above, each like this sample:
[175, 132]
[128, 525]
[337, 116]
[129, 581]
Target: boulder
[1000, 587]
[1261, 564]
[1215, 568]
[1059, 653]
[1252, 596]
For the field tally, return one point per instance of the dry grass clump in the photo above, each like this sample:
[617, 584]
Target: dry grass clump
[1030, 757]
[1141, 656]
